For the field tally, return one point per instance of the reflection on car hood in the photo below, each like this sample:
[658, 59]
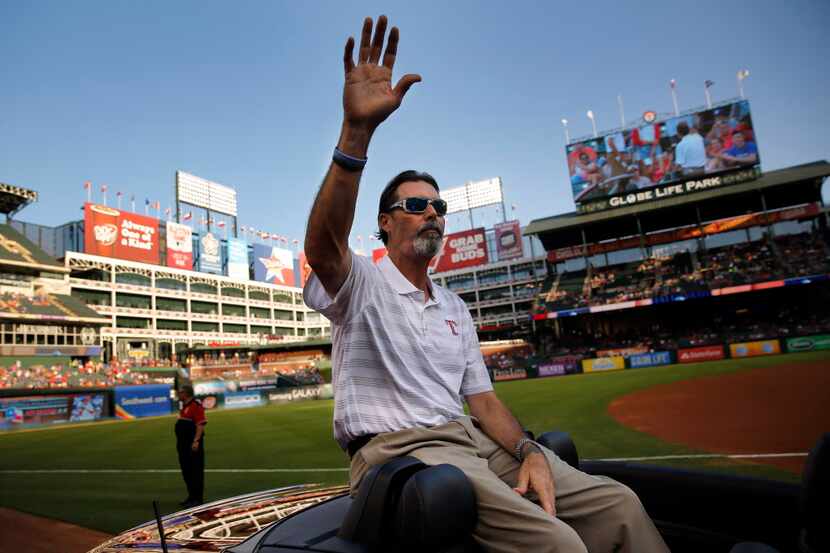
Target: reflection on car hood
[221, 524]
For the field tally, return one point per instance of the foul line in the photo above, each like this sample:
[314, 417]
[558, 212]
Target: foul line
[705, 456]
[157, 471]
[345, 469]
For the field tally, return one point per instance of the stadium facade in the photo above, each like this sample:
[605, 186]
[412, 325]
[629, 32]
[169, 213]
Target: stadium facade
[154, 311]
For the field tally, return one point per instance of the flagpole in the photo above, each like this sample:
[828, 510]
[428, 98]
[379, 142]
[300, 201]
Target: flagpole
[742, 74]
[567, 134]
[706, 85]
[88, 186]
[622, 111]
[673, 85]
[132, 203]
[590, 115]
[118, 197]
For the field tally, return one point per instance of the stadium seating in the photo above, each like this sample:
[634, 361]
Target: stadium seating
[683, 273]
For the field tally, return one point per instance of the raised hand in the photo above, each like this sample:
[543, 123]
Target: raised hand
[368, 96]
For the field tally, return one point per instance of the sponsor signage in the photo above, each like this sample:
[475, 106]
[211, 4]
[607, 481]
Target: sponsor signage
[663, 158]
[179, 246]
[704, 353]
[243, 399]
[262, 383]
[462, 249]
[809, 343]
[111, 232]
[295, 394]
[621, 352]
[16, 412]
[273, 265]
[210, 255]
[754, 349]
[512, 374]
[238, 259]
[603, 364]
[209, 387]
[649, 359]
[509, 240]
[566, 364]
[149, 400]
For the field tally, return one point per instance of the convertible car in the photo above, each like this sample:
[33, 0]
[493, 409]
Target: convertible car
[405, 505]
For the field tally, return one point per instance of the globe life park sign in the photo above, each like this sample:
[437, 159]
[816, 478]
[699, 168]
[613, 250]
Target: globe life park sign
[671, 190]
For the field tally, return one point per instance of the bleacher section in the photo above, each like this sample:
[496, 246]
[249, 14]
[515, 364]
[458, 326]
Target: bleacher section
[760, 261]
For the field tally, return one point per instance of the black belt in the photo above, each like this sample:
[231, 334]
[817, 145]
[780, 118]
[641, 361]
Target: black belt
[355, 445]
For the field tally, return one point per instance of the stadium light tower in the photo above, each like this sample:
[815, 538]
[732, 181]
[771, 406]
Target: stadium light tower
[742, 74]
[590, 115]
[567, 134]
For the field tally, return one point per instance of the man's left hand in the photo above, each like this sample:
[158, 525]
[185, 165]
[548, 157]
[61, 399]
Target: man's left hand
[535, 474]
[195, 445]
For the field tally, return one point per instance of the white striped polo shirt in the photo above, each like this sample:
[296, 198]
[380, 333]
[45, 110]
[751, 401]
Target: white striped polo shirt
[397, 362]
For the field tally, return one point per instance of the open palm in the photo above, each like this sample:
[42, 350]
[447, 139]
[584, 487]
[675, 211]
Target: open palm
[368, 96]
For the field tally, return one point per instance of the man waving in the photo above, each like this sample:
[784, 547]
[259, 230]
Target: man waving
[406, 356]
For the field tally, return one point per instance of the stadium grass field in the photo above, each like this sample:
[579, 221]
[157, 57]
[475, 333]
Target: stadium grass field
[286, 443]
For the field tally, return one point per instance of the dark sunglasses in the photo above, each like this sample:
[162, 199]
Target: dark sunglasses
[419, 205]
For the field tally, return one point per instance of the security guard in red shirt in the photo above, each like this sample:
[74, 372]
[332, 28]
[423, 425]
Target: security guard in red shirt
[190, 445]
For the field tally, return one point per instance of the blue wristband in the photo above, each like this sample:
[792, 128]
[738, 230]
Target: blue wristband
[348, 162]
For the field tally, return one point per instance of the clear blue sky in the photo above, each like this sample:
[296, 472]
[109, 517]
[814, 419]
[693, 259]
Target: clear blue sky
[248, 93]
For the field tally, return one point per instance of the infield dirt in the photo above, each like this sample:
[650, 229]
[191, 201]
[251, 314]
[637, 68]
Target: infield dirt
[778, 409]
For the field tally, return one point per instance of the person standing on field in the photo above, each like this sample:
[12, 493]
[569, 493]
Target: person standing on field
[190, 445]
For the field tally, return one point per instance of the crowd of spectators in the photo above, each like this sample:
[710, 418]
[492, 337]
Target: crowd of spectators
[685, 273]
[73, 375]
[718, 328]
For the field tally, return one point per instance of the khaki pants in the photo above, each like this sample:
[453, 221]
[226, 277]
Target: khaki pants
[593, 513]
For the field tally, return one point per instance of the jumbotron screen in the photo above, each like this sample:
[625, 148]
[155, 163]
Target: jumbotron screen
[646, 159]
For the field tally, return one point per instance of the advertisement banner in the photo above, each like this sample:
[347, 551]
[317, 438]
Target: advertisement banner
[652, 359]
[603, 364]
[754, 349]
[809, 343]
[209, 387]
[261, 383]
[298, 393]
[704, 353]
[148, 400]
[305, 269]
[16, 412]
[462, 249]
[621, 352]
[210, 255]
[234, 400]
[566, 364]
[659, 159]
[121, 234]
[510, 374]
[509, 240]
[273, 265]
[179, 246]
[237, 258]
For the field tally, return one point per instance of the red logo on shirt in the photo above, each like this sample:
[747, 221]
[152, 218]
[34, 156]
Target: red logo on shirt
[452, 324]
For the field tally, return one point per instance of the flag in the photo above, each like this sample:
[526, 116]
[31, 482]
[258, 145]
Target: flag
[104, 188]
[87, 185]
[157, 205]
[673, 83]
[707, 83]
[187, 216]
[147, 202]
[167, 211]
[221, 224]
[243, 229]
